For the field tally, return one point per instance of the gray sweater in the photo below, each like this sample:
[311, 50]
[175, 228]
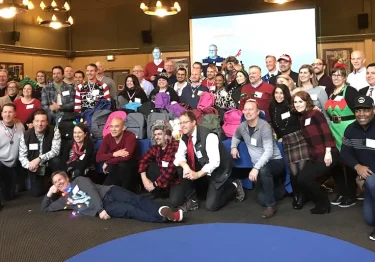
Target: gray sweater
[8, 151]
[319, 97]
[261, 145]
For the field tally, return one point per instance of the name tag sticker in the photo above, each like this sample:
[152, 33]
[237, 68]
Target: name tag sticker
[253, 141]
[212, 88]
[314, 97]
[65, 93]
[370, 143]
[285, 115]
[137, 100]
[164, 164]
[307, 121]
[258, 94]
[30, 106]
[75, 190]
[33, 146]
[160, 70]
[82, 157]
[338, 98]
[95, 92]
[199, 93]
[223, 93]
[199, 154]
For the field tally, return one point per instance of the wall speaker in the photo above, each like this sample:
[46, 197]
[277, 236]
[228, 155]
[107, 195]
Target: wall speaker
[147, 37]
[363, 21]
[16, 36]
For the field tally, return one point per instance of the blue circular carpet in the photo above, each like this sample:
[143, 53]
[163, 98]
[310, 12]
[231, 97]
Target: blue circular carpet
[226, 242]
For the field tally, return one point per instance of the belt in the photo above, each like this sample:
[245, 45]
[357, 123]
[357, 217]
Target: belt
[339, 119]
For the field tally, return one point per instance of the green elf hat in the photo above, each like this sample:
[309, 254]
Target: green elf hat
[28, 81]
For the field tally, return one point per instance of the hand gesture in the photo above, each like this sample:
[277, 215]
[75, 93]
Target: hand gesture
[105, 167]
[363, 171]
[328, 158]
[121, 153]
[234, 152]
[149, 186]
[34, 164]
[253, 175]
[103, 215]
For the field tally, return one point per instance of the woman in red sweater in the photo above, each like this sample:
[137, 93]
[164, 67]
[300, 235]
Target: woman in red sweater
[26, 105]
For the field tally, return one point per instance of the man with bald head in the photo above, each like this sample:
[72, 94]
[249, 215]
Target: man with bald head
[139, 72]
[357, 78]
[191, 93]
[118, 154]
[325, 81]
[107, 80]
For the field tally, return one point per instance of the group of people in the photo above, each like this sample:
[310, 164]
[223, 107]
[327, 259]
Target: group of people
[324, 123]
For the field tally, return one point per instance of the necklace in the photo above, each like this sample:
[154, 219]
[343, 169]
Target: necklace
[193, 90]
[130, 97]
[8, 133]
[277, 125]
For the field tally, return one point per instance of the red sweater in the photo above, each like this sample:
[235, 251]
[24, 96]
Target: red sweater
[262, 94]
[109, 146]
[151, 69]
[24, 111]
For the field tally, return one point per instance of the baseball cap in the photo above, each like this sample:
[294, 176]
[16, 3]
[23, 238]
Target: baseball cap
[285, 57]
[363, 102]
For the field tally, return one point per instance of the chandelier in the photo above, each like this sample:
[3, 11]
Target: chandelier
[159, 9]
[277, 1]
[54, 22]
[9, 10]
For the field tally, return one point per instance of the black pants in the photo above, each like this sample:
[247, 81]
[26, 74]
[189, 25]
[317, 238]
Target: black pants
[8, 180]
[122, 174]
[215, 197]
[40, 184]
[345, 178]
[153, 173]
[307, 179]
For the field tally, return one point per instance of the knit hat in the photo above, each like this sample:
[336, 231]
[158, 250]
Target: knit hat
[166, 127]
[232, 59]
[28, 81]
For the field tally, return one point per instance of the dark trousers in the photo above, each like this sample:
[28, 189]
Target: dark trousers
[8, 181]
[215, 197]
[153, 173]
[345, 178]
[122, 174]
[369, 201]
[121, 203]
[307, 179]
[269, 179]
[40, 184]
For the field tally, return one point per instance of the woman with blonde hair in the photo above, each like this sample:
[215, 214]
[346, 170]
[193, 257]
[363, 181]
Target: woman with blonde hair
[286, 80]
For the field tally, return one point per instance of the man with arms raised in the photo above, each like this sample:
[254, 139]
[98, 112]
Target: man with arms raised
[202, 156]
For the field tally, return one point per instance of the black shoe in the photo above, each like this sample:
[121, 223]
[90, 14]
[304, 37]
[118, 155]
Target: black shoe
[240, 193]
[320, 209]
[361, 196]
[294, 203]
[301, 201]
[337, 201]
[189, 205]
[372, 235]
[348, 202]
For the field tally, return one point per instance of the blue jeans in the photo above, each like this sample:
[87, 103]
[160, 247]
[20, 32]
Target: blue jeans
[369, 202]
[269, 178]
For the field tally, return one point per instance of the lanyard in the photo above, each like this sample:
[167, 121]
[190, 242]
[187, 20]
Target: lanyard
[8, 133]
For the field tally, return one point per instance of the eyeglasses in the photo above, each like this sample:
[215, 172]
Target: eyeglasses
[318, 64]
[184, 123]
[337, 76]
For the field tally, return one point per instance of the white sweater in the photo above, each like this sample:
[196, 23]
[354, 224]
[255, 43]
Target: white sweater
[8, 151]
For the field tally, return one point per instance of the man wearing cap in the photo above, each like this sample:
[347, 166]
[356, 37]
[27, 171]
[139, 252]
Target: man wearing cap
[156, 167]
[358, 152]
[357, 78]
[212, 59]
[271, 67]
[285, 66]
[319, 66]
[370, 78]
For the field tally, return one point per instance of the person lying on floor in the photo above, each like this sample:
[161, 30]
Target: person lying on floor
[87, 198]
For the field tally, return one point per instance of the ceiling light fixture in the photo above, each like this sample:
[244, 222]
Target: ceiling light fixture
[158, 9]
[9, 10]
[54, 22]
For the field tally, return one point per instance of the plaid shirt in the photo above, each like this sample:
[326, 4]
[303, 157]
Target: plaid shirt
[49, 96]
[317, 134]
[155, 153]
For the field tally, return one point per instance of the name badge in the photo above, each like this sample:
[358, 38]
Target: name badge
[30, 106]
[314, 97]
[33, 146]
[258, 94]
[199, 93]
[164, 164]
[82, 157]
[285, 115]
[137, 100]
[212, 88]
[95, 92]
[198, 154]
[75, 190]
[65, 93]
[160, 70]
[370, 143]
[324, 87]
[253, 141]
[338, 98]
[307, 121]
[223, 93]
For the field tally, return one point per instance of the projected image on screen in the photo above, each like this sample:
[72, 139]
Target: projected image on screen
[251, 37]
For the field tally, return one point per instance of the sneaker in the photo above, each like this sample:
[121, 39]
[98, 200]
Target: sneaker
[372, 235]
[240, 193]
[348, 202]
[189, 205]
[337, 200]
[361, 196]
[166, 212]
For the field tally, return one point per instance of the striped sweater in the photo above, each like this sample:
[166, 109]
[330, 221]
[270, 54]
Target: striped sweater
[88, 94]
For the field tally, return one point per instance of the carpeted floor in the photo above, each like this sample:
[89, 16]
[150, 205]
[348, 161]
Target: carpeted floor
[26, 234]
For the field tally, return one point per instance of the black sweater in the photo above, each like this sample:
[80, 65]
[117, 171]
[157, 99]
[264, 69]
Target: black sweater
[284, 126]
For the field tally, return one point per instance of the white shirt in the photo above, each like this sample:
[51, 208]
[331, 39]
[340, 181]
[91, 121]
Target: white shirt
[212, 149]
[147, 86]
[178, 88]
[357, 79]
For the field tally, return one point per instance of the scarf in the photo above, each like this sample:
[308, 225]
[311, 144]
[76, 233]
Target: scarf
[75, 153]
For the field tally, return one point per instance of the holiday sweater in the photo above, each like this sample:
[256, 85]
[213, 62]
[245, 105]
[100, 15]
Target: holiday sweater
[88, 95]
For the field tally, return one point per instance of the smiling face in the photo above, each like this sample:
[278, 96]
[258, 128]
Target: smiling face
[8, 114]
[117, 127]
[304, 75]
[61, 182]
[79, 135]
[271, 63]
[159, 137]
[338, 79]
[27, 91]
[219, 81]
[210, 73]
[3, 78]
[12, 89]
[181, 76]
[91, 72]
[299, 104]
[69, 73]
[364, 115]
[357, 59]
[40, 78]
[240, 78]
[255, 75]
[187, 126]
[370, 75]
[40, 123]
[156, 53]
[250, 111]
[162, 83]
[78, 78]
[318, 66]
[279, 95]
[284, 65]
